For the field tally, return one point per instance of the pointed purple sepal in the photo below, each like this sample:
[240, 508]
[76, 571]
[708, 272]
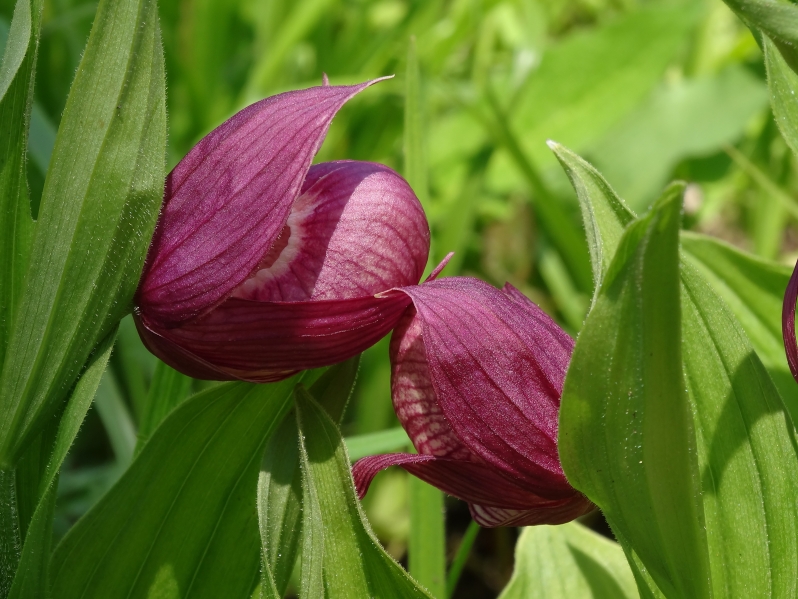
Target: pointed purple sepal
[227, 201]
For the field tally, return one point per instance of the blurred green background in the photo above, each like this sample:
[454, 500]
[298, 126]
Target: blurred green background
[646, 90]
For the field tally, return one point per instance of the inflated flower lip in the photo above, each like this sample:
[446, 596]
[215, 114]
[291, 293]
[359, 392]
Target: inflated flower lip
[477, 375]
[262, 265]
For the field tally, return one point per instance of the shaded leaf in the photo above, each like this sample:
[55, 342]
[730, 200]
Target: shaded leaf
[32, 577]
[17, 71]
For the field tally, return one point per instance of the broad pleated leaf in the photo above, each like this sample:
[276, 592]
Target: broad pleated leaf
[753, 289]
[33, 577]
[568, 562]
[167, 390]
[783, 84]
[745, 444]
[98, 210]
[197, 477]
[626, 438]
[605, 220]
[354, 564]
[16, 98]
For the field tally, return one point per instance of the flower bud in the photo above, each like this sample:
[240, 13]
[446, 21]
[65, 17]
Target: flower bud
[476, 379]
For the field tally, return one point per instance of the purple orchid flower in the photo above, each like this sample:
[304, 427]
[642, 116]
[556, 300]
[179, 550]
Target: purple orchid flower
[261, 265]
[477, 375]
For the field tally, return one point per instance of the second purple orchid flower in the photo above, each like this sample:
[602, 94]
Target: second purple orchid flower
[263, 265]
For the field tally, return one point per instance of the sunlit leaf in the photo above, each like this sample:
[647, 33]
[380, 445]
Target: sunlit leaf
[568, 562]
[197, 476]
[744, 438]
[626, 435]
[279, 482]
[354, 563]
[98, 210]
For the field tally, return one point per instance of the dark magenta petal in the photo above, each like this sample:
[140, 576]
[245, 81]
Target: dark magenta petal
[227, 201]
[268, 341]
[497, 364]
[413, 395]
[469, 481]
[788, 322]
[553, 512]
[356, 230]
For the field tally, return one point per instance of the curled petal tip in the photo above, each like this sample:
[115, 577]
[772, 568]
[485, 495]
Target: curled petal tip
[438, 269]
[325, 81]
[227, 201]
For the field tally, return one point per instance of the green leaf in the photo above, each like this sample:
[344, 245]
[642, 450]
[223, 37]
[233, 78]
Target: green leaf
[783, 84]
[744, 438]
[354, 563]
[568, 562]
[460, 558]
[32, 577]
[778, 20]
[16, 97]
[98, 209]
[197, 477]
[746, 451]
[168, 390]
[754, 290]
[604, 213]
[626, 433]
[116, 419]
[279, 481]
[590, 80]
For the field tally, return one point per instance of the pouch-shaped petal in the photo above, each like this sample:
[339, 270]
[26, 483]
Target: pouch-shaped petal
[356, 230]
[227, 201]
[268, 341]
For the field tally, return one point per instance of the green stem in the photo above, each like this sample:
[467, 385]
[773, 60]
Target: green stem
[463, 551]
[427, 543]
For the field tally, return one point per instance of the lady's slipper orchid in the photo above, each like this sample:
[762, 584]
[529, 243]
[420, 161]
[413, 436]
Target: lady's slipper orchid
[262, 265]
[477, 375]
